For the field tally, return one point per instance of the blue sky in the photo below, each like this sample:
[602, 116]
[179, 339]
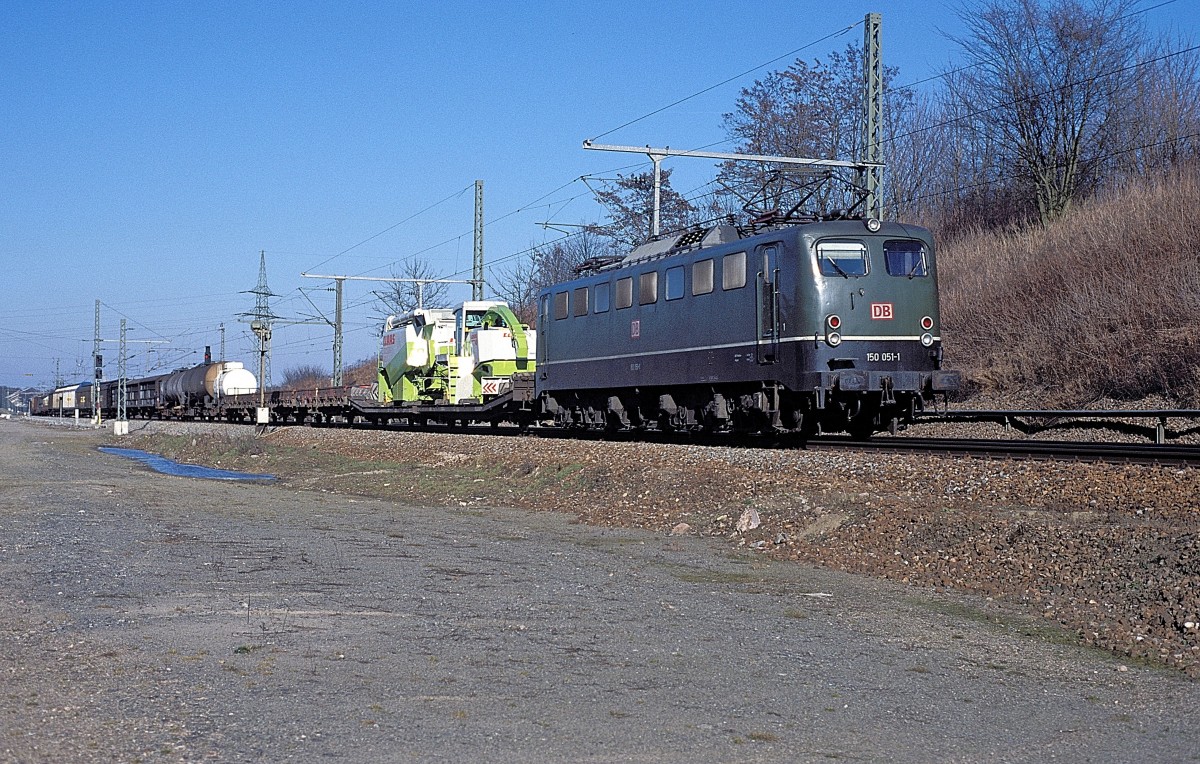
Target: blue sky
[149, 151]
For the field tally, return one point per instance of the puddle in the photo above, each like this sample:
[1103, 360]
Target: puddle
[170, 467]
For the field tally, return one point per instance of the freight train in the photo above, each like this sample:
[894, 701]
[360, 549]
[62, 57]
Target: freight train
[190, 393]
[804, 326]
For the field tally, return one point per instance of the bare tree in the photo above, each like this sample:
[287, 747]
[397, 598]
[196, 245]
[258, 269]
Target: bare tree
[1048, 84]
[304, 377]
[517, 286]
[916, 160]
[422, 290]
[960, 179]
[630, 203]
[548, 264]
[1166, 131]
[810, 110]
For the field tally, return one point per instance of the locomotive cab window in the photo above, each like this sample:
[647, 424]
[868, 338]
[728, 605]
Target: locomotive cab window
[624, 292]
[674, 283]
[560, 305]
[905, 257]
[733, 271]
[601, 296]
[702, 277]
[842, 258]
[581, 301]
[648, 288]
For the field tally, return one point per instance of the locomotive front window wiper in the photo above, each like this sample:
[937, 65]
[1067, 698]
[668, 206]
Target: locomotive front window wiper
[837, 267]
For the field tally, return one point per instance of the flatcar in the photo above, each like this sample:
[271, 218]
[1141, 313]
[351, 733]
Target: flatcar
[825, 324]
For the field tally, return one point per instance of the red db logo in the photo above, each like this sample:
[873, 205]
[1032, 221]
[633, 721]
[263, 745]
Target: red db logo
[882, 310]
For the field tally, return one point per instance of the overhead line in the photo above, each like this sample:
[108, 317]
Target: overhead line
[391, 227]
[981, 63]
[1060, 165]
[1047, 91]
[726, 81]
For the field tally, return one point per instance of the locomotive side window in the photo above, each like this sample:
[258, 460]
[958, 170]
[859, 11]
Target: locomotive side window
[624, 292]
[674, 283]
[733, 271]
[702, 277]
[905, 257]
[560, 305]
[842, 258]
[648, 288]
[581, 301]
[601, 296]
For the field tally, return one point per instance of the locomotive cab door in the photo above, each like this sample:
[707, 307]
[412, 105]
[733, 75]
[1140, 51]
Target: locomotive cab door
[543, 326]
[767, 304]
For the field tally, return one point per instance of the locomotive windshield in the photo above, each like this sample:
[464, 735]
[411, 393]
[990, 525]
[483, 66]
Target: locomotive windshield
[842, 258]
[905, 257]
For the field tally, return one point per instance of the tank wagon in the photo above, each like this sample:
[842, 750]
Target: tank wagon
[194, 392]
[207, 383]
[822, 324]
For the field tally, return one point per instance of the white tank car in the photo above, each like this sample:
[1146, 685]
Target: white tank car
[208, 380]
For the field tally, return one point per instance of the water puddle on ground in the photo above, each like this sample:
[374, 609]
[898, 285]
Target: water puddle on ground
[170, 467]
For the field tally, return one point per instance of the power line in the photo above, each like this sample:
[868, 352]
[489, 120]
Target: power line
[991, 60]
[1059, 166]
[1048, 91]
[673, 104]
[391, 227]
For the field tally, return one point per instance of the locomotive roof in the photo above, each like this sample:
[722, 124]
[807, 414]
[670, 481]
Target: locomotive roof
[703, 238]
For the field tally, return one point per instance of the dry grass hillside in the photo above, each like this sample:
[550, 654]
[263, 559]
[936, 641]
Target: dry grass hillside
[1103, 303]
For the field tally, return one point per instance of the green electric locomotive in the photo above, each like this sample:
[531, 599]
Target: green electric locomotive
[828, 325]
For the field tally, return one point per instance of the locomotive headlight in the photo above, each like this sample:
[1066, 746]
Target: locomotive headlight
[834, 339]
[927, 339]
[873, 225]
[926, 323]
[833, 321]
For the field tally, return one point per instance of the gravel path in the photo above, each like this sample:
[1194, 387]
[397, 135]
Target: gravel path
[1110, 552]
[146, 617]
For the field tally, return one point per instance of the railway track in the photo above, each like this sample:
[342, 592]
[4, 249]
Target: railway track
[1048, 450]
[1026, 449]
[1055, 450]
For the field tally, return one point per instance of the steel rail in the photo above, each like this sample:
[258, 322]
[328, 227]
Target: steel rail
[1056, 450]
[1046, 419]
[1042, 450]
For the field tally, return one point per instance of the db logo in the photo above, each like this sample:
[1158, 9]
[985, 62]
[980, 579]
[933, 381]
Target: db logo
[389, 339]
[882, 310]
[635, 329]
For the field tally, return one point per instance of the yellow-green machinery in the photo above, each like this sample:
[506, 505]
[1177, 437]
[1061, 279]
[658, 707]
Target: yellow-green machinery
[467, 355]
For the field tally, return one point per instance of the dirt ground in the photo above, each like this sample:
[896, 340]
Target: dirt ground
[337, 615]
[1110, 552]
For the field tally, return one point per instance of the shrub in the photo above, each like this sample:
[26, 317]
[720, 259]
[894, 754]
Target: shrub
[1104, 302]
